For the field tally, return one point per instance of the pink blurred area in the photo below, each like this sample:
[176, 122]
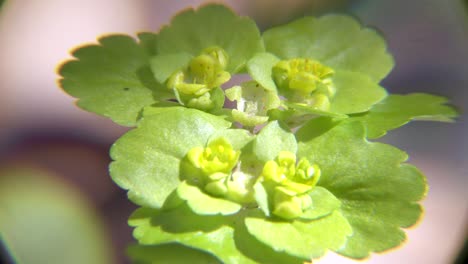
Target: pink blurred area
[41, 126]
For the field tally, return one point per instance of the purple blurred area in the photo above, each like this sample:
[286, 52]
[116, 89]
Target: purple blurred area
[41, 126]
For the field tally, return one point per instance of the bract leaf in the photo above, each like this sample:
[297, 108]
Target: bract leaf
[205, 204]
[355, 93]
[315, 128]
[212, 25]
[273, 139]
[323, 203]
[260, 69]
[261, 197]
[397, 110]
[147, 159]
[164, 65]
[337, 41]
[226, 237]
[169, 253]
[378, 193]
[302, 239]
[113, 78]
[301, 110]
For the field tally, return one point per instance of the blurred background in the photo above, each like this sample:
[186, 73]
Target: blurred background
[55, 191]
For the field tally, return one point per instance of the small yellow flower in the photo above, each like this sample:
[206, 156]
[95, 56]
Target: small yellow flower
[305, 81]
[216, 162]
[292, 183]
[204, 73]
[218, 156]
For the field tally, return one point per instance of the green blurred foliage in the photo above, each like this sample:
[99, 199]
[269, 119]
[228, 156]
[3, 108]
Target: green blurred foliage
[44, 221]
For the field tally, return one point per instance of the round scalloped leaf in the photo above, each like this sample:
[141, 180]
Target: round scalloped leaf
[397, 110]
[226, 237]
[212, 25]
[305, 240]
[113, 78]
[147, 159]
[172, 253]
[378, 193]
[337, 41]
[205, 204]
[273, 139]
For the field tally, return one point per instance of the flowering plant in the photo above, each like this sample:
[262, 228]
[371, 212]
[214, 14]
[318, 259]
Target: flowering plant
[287, 173]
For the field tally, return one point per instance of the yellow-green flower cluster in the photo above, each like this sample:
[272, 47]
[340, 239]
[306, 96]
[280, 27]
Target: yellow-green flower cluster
[305, 81]
[216, 162]
[203, 73]
[292, 182]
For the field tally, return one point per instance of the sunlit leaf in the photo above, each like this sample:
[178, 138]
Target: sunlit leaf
[379, 194]
[397, 110]
[335, 40]
[113, 78]
[147, 159]
[212, 25]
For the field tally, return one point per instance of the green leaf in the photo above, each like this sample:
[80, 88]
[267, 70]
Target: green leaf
[260, 69]
[147, 159]
[149, 42]
[355, 93]
[217, 97]
[273, 139]
[315, 128]
[303, 112]
[164, 65]
[397, 110]
[254, 249]
[225, 237]
[261, 197]
[337, 41]
[302, 239]
[205, 204]
[379, 194]
[44, 220]
[323, 203]
[113, 79]
[212, 25]
[209, 233]
[169, 253]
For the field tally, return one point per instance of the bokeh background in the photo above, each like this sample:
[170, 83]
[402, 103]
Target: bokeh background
[57, 202]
